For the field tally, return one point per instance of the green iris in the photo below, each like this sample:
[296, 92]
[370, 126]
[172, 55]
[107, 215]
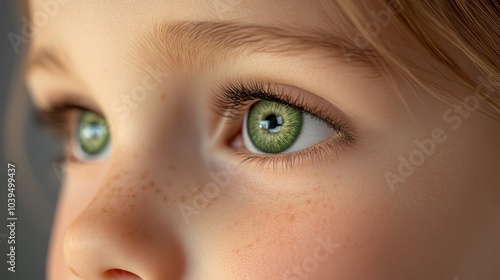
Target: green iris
[93, 133]
[273, 127]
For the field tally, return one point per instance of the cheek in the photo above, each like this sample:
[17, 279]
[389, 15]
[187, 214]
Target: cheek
[319, 231]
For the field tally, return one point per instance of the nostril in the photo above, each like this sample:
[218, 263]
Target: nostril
[119, 274]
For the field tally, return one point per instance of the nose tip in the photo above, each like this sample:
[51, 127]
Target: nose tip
[113, 245]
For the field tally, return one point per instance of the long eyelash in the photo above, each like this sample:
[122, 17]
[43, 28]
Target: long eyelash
[315, 155]
[56, 116]
[236, 96]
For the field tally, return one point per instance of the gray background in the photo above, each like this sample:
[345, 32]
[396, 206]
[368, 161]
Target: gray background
[37, 181]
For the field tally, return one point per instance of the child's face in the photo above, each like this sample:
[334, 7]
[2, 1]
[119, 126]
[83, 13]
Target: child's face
[183, 192]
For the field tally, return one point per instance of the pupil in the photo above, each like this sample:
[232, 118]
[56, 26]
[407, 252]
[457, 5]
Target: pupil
[273, 121]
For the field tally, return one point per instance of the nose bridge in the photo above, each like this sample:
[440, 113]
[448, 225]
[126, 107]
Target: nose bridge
[132, 223]
[166, 129]
[124, 229]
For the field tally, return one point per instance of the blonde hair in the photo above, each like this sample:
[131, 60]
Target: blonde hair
[432, 27]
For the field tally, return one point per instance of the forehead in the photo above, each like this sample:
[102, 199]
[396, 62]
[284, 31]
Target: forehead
[105, 28]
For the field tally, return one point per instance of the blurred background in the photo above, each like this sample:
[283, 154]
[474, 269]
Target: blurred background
[31, 150]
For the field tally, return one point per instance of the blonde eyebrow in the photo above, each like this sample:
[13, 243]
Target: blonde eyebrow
[184, 45]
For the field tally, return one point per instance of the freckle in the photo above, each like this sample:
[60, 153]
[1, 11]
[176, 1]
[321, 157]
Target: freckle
[116, 177]
[367, 213]
[152, 183]
[168, 184]
[158, 190]
[134, 195]
[171, 168]
[165, 198]
[132, 207]
[162, 97]
[237, 251]
[308, 202]
[183, 198]
[143, 187]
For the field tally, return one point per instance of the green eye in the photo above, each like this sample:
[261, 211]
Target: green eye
[273, 127]
[92, 134]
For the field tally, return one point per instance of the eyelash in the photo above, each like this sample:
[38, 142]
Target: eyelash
[229, 102]
[233, 98]
[56, 120]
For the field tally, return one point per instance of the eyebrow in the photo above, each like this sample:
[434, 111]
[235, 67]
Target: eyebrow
[181, 45]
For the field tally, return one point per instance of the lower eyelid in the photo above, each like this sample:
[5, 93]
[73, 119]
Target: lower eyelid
[321, 153]
[325, 151]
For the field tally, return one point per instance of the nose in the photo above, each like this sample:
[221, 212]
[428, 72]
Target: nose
[123, 236]
[128, 231]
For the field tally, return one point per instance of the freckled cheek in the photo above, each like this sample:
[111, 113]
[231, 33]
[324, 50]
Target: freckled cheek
[278, 233]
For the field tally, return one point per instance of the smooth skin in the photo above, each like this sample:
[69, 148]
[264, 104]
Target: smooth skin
[329, 216]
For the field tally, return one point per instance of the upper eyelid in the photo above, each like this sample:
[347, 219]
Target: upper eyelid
[56, 117]
[62, 102]
[229, 103]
